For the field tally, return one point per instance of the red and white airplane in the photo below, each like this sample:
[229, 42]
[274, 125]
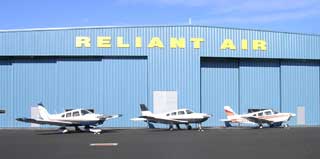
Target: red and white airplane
[267, 116]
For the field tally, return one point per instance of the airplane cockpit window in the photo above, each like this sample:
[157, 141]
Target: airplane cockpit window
[84, 112]
[260, 114]
[168, 114]
[189, 111]
[275, 112]
[267, 113]
[181, 113]
[76, 114]
[68, 115]
[254, 114]
[174, 113]
[63, 115]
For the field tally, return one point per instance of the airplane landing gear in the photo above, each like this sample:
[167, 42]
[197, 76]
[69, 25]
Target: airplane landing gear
[189, 127]
[178, 126]
[200, 127]
[63, 130]
[260, 126]
[95, 131]
[77, 129]
[171, 127]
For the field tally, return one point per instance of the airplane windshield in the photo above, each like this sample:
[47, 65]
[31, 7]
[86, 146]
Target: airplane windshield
[84, 112]
[275, 112]
[189, 111]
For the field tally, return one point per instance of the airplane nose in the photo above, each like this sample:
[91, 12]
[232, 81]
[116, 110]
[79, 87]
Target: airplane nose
[101, 117]
[293, 114]
[208, 115]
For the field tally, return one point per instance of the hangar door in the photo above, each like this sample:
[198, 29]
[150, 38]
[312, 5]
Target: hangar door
[300, 88]
[219, 87]
[110, 85]
[239, 83]
[259, 84]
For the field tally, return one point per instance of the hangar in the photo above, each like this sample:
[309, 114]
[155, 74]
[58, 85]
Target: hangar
[203, 68]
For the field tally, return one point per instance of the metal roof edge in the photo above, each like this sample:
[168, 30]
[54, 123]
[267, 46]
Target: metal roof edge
[148, 26]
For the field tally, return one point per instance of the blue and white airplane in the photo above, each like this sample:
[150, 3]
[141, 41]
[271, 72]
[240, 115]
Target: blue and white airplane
[73, 118]
[176, 117]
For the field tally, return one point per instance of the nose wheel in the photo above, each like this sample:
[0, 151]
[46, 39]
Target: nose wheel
[200, 127]
[189, 127]
[171, 127]
[63, 130]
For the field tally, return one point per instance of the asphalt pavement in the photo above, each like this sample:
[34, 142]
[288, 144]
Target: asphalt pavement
[218, 143]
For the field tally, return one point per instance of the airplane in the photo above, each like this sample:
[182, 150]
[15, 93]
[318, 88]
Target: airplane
[72, 118]
[180, 116]
[266, 116]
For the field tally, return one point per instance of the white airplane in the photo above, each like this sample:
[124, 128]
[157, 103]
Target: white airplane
[180, 116]
[72, 118]
[267, 116]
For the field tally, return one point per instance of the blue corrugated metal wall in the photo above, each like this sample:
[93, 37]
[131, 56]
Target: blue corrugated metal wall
[117, 80]
[259, 84]
[219, 87]
[174, 72]
[282, 85]
[62, 42]
[110, 85]
[6, 92]
[300, 87]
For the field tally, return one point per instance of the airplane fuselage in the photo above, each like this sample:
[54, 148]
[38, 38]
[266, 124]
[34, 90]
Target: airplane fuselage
[77, 118]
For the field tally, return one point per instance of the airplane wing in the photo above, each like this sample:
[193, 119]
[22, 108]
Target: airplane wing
[159, 120]
[224, 120]
[108, 117]
[39, 121]
[257, 120]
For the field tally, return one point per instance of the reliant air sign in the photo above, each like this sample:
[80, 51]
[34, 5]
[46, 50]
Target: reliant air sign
[173, 43]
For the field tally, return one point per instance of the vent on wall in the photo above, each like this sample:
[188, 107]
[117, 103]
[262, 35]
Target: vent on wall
[301, 118]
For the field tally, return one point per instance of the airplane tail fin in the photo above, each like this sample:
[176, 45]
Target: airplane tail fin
[43, 113]
[229, 112]
[144, 110]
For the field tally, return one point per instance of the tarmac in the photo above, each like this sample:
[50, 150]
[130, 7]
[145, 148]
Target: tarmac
[217, 143]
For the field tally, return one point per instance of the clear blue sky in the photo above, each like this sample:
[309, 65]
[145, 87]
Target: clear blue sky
[278, 15]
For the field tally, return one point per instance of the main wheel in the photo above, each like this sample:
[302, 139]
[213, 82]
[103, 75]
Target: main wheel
[189, 127]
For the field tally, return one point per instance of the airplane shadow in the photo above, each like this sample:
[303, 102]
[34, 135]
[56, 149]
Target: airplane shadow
[57, 132]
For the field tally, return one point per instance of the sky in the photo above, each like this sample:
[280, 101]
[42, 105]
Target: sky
[301, 16]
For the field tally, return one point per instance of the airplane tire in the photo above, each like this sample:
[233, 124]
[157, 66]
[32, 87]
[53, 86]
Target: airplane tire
[189, 127]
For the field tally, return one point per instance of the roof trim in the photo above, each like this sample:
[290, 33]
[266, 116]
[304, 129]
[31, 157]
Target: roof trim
[147, 26]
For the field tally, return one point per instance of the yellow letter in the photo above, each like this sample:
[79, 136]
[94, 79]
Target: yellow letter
[138, 42]
[83, 41]
[259, 45]
[120, 43]
[196, 42]
[244, 44]
[103, 41]
[227, 44]
[180, 43]
[155, 42]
